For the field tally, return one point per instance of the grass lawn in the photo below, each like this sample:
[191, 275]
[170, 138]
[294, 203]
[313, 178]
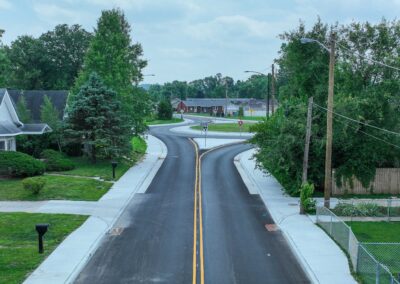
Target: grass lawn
[379, 232]
[255, 118]
[224, 127]
[162, 121]
[18, 241]
[56, 188]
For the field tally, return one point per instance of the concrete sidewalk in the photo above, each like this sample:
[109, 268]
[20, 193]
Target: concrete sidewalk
[65, 263]
[187, 130]
[321, 258]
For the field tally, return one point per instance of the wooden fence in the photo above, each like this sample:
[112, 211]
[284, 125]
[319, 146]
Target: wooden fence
[387, 181]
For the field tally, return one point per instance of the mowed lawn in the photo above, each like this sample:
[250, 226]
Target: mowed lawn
[56, 188]
[225, 127]
[19, 246]
[376, 232]
[163, 121]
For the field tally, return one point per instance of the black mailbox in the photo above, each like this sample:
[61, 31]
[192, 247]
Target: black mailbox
[41, 229]
[114, 165]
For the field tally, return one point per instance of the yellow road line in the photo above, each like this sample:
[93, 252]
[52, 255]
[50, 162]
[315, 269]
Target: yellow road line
[201, 229]
[194, 273]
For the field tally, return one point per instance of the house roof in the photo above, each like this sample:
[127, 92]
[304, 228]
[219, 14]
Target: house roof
[2, 93]
[34, 100]
[8, 128]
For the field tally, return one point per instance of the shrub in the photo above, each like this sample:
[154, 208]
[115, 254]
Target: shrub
[306, 192]
[55, 161]
[164, 110]
[241, 112]
[359, 210]
[34, 184]
[18, 164]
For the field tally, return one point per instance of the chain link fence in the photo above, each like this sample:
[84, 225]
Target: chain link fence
[375, 263]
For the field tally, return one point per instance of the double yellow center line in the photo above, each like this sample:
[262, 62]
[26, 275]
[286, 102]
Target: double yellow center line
[198, 216]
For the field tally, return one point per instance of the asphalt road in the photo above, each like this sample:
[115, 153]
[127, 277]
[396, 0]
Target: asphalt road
[154, 239]
[156, 242]
[237, 246]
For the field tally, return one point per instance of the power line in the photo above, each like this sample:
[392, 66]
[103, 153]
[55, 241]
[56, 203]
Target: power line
[357, 121]
[369, 59]
[370, 135]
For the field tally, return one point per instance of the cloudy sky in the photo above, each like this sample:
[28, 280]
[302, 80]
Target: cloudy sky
[189, 39]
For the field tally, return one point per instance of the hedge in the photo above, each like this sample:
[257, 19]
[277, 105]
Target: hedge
[17, 164]
[55, 161]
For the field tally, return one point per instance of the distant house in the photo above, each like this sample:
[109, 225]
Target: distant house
[223, 107]
[11, 126]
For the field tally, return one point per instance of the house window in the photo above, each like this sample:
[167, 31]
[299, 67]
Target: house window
[2, 145]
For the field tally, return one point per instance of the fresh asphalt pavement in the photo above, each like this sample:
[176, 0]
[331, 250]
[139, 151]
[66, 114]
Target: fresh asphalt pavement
[238, 248]
[152, 242]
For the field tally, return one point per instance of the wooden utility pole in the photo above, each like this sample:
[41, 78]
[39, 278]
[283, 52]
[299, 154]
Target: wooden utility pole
[273, 89]
[306, 147]
[328, 154]
[307, 144]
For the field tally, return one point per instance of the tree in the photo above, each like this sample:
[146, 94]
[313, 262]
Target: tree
[4, 63]
[95, 119]
[50, 115]
[24, 114]
[164, 110]
[64, 49]
[112, 55]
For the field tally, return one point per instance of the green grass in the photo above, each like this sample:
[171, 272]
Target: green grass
[56, 188]
[379, 232]
[162, 121]
[18, 241]
[224, 127]
[255, 118]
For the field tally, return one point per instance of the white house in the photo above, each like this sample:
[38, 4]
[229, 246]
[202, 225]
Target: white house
[11, 126]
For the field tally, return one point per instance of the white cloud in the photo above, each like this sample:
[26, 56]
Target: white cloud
[56, 14]
[5, 5]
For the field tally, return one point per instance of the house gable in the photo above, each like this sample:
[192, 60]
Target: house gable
[7, 109]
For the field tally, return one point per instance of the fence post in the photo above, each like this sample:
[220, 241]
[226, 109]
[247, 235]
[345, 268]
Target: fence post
[389, 204]
[377, 276]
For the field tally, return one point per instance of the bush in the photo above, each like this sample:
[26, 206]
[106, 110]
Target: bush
[241, 112]
[359, 210]
[55, 161]
[306, 192]
[34, 184]
[17, 164]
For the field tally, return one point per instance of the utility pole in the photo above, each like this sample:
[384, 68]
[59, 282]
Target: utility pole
[273, 88]
[306, 147]
[328, 154]
[267, 96]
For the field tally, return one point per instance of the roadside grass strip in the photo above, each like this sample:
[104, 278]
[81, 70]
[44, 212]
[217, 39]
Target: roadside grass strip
[224, 127]
[56, 188]
[163, 121]
[19, 245]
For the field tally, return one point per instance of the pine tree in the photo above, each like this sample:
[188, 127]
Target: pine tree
[24, 114]
[95, 118]
[50, 115]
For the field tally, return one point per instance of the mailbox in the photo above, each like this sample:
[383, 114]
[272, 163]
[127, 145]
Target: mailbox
[41, 229]
[114, 165]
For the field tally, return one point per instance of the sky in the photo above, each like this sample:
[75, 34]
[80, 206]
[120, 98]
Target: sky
[191, 39]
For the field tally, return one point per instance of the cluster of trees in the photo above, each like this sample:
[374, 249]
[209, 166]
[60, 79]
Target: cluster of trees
[100, 69]
[365, 91]
[212, 87]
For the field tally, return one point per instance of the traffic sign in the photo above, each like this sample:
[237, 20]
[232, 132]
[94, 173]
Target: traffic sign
[240, 122]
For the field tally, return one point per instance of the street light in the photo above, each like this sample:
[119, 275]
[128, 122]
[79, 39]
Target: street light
[267, 97]
[328, 152]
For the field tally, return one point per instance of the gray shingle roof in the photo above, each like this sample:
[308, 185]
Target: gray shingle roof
[34, 100]
[2, 93]
[8, 128]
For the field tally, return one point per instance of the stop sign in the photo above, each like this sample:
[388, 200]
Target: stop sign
[240, 122]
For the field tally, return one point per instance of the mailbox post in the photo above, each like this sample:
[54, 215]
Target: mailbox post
[240, 122]
[114, 165]
[41, 229]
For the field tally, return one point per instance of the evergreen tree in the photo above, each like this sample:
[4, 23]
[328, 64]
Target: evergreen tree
[50, 115]
[95, 119]
[112, 55]
[24, 114]
[165, 109]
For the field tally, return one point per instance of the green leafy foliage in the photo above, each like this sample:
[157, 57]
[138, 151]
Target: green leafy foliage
[95, 118]
[50, 115]
[56, 161]
[24, 113]
[363, 91]
[18, 164]
[34, 184]
[306, 193]
[360, 210]
[164, 110]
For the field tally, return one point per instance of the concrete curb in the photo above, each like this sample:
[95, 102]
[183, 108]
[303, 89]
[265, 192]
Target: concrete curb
[254, 189]
[184, 122]
[83, 232]
[185, 129]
